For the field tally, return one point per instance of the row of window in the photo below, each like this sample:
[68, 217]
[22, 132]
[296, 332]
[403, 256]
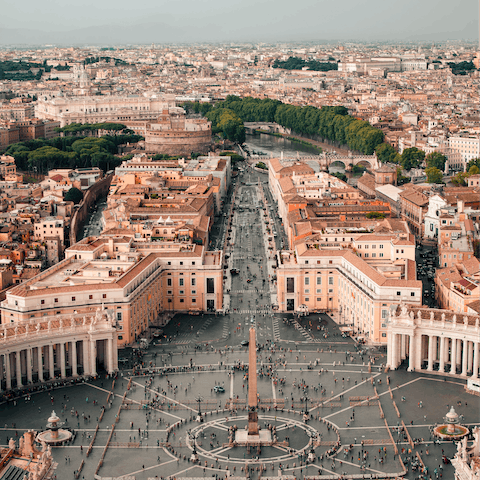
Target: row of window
[90, 297]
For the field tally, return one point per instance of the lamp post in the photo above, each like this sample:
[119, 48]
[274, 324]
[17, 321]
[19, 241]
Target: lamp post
[199, 400]
[194, 456]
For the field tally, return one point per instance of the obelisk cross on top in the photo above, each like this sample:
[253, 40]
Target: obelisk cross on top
[252, 385]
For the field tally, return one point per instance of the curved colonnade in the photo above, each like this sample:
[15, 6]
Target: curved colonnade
[434, 340]
[56, 347]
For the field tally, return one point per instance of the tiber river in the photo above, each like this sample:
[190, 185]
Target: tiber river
[269, 144]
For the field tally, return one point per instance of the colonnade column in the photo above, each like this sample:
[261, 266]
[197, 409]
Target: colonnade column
[411, 350]
[63, 372]
[392, 361]
[110, 367]
[19, 368]
[465, 357]
[8, 370]
[29, 365]
[74, 359]
[93, 357]
[430, 352]
[40, 363]
[470, 356]
[86, 358]
[453, 362]
[476, 353]
[51, 365]
[441, 367]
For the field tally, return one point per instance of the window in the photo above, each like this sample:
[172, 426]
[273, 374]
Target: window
[194, 292]
[43, 302]
[319, 290]
[319, 299]
[374, 254]
[192, 282]
[119, 316]
[330, 290]
[307, 290]
[73, 299]
[366, 255]
[290, 285]
[180, 282]
[182, 300]
[381, 255]
[330, 280]
[307, 280]
[381, 246]
[90, 297]
[210, 285]
[194, 300]
[104, 295]
[169, 300]
[384, 335]
[181, 263]
[169, 292]
[181, 292]
[399, 293]
[56, 300]
[384, 314]
[169, 263]
[412, 294]
[307, 299]
[169, 282]
[193, 263]
[384, 325]
[319, 280]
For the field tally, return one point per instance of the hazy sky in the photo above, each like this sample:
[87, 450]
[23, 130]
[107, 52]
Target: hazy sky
[129, 21]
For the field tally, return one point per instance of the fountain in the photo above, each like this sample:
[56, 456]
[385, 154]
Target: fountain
[54, 435]
[451, 430]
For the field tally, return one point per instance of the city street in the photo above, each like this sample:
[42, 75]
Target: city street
[355, 409]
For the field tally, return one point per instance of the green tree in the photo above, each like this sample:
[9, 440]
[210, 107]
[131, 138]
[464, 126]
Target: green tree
[74, 195]
[412, 158]
[471, 163]
[434, 175]
[386, 153]
[437, 160]
[375, 215]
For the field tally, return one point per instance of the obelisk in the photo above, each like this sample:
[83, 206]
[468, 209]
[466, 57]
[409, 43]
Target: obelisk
[252, 385]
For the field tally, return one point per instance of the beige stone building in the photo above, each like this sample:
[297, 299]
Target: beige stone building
[139, 282]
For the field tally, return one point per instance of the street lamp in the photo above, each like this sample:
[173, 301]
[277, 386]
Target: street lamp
[306, 416]
[194, 456]
[199, 400]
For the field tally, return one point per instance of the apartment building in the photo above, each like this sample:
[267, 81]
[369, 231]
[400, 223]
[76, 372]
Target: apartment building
[137, 281]
[361, 290]
[467, 146]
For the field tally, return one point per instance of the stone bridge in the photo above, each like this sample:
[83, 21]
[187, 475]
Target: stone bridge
[270, 127]
[327, 159]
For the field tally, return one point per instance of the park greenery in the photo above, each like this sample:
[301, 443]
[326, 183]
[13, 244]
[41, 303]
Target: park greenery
[261, 165]
[297, 63]
[434, 175]
[74, 195]
[461, 68]
[83, 128]
[372, 215]
[460, 179]
[327, 123]
[437, 160]
[42, 155]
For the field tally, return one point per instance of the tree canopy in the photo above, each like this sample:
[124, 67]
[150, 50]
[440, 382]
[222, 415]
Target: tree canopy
[74, 195]
[387, 154]
[412, 158]
[437, 160]
[434, 175]
[297, 63]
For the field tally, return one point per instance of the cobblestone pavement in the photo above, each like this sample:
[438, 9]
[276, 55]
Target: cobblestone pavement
[297, 359]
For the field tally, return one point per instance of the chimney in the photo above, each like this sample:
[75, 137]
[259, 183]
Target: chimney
[460, 206]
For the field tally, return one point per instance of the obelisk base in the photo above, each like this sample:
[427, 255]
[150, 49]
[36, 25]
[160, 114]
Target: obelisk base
[252, 423]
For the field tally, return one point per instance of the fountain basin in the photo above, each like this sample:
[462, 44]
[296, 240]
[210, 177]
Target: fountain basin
[445, 432]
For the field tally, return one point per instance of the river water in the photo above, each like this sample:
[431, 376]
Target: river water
[261, 143]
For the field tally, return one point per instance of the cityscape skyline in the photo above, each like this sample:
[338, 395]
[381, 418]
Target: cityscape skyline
[211, 21]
